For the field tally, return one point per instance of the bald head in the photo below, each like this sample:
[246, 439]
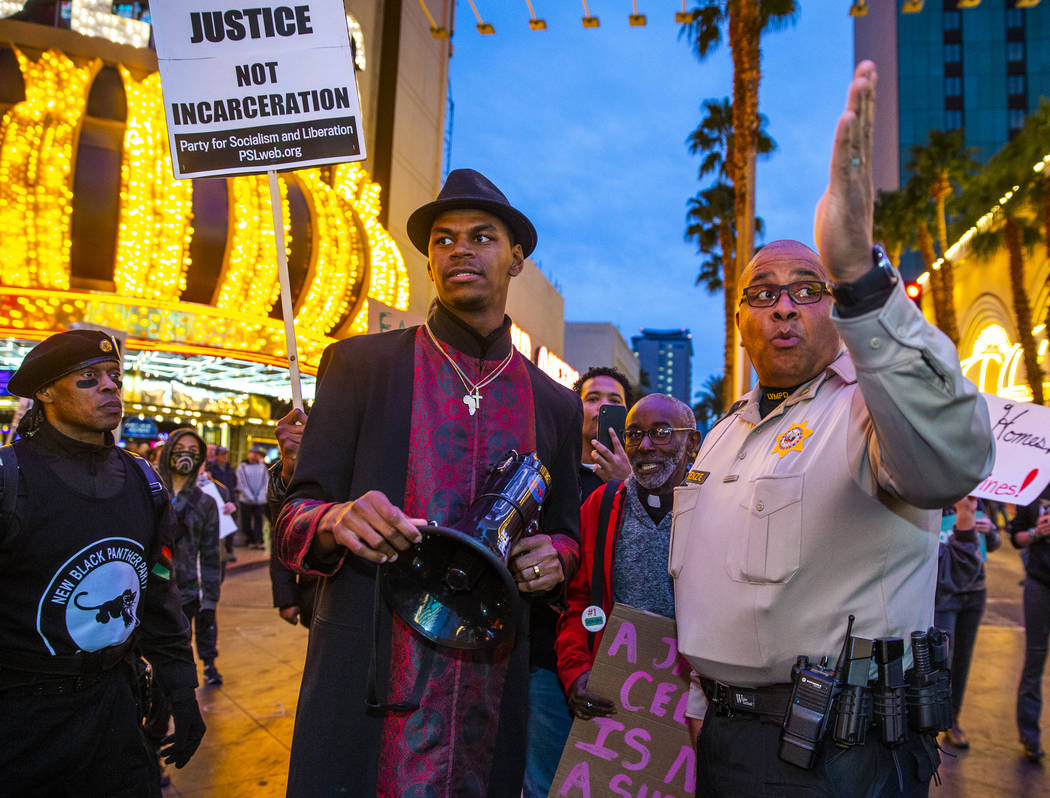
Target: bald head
[804, 259]
[659, 466]
[789, 343]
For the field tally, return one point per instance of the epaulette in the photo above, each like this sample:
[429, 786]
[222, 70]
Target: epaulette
[732, 409]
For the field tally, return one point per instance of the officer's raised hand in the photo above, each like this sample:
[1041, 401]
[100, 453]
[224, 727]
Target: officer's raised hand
[844, 219]
[176, 749]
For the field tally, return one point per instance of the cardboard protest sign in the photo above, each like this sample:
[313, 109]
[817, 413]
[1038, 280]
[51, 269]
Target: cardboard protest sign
[643, 750]
[256, 89]
[1022, 451]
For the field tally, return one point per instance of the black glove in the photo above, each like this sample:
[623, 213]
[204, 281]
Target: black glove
[177, 748]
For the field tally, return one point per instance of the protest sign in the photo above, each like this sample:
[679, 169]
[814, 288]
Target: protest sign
[256, 89]
[1022, 451]
[643, 750]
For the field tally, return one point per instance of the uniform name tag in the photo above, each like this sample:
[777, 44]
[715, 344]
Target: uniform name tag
[697, 477]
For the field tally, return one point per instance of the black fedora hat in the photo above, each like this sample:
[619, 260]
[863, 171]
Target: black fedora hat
[468, 189]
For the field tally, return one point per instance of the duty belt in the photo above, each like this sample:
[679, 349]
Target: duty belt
[770, 702]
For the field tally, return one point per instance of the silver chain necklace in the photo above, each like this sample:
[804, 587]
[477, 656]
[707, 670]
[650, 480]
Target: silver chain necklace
[472, 398]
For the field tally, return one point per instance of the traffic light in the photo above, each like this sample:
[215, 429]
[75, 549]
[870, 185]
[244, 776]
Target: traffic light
[914, 291]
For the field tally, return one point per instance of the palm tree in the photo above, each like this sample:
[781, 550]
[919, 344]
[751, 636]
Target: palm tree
[713, 138]
[1010, 228]
[895, 223]
[711, 222]
[942, 166]
[711, 217]
[1030, 147]
[708, 407]
[745, 21]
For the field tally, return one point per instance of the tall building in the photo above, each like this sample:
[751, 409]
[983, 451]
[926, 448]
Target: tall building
[949, 65]
[666, 357]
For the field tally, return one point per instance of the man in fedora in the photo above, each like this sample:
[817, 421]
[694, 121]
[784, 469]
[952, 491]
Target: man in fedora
[403, 429]
[85, 585]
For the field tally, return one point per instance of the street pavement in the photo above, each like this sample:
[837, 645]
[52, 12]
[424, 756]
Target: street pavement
[250, 717]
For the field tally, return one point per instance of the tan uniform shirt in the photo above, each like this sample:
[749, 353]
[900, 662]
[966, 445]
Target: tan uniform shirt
[813, 513]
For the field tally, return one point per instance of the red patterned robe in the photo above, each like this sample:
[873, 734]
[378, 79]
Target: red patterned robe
[390, 416]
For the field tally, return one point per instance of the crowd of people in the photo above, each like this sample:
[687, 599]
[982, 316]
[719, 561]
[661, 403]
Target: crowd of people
[817, 497]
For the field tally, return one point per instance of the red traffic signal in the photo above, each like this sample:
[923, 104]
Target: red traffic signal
[914, 292]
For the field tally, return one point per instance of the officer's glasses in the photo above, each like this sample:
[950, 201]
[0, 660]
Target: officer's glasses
[632, 436]
[803, 292]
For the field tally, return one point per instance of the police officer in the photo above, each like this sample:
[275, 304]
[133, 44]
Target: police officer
[85, 578]
[817, 498]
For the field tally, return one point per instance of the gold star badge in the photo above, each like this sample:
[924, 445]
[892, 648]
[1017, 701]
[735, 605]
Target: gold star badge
[792, 439]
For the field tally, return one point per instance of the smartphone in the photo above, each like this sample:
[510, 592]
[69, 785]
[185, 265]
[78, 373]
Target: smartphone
[614, 416]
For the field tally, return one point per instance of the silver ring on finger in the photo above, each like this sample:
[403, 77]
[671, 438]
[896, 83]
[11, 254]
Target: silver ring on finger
[536, 572]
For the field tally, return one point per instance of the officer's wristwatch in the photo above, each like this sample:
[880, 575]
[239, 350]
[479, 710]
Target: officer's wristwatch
[879, 279]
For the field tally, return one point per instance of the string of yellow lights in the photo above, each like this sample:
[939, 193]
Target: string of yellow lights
[154, 230]
[337, 255]
[37, 138]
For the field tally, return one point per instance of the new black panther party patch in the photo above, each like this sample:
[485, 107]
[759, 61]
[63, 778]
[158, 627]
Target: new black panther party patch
[93, 599]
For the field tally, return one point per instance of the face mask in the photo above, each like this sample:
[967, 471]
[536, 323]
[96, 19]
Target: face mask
[183, 462]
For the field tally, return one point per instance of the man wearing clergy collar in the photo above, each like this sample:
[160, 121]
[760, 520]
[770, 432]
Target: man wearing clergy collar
[402, 432]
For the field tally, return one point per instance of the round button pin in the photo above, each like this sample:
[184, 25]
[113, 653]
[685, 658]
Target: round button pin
[593, 618]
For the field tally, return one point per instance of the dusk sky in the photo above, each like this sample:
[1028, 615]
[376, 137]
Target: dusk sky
[585, 129]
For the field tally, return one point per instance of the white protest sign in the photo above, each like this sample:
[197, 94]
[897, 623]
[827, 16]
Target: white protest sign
[1022, 451]
[256, 85]
[227, 526]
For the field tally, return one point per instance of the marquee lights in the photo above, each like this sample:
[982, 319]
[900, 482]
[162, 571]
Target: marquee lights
[154, 231]
[249, 282]
[37, 138]
[351, 255]
[996, 361]
[556, 368]
[337, 262]
[388, 281]
[96, 18]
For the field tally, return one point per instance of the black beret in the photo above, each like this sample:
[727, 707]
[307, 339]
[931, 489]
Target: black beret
[57, 356]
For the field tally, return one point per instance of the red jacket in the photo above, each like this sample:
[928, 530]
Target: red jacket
[575, 652]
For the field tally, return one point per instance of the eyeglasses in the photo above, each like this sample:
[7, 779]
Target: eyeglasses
[632, 436]
[765, 295]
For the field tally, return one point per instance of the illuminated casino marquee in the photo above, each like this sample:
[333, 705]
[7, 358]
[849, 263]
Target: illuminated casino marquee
[346, 257]
[996, 364]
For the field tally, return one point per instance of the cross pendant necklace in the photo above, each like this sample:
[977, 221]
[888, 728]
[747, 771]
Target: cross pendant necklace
[472, 400]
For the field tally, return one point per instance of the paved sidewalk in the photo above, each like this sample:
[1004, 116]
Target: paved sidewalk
[250, 718]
